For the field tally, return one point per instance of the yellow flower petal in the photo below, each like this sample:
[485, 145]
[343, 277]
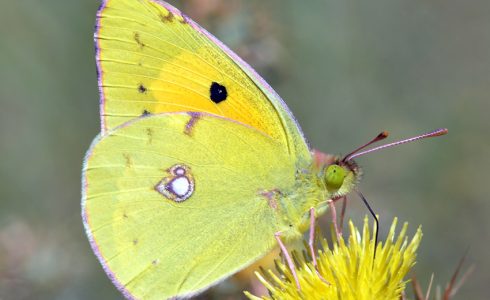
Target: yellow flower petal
[349, 268]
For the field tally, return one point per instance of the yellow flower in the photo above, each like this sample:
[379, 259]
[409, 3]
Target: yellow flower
[348, 269]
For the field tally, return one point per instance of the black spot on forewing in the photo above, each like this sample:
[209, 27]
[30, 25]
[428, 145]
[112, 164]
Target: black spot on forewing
[145, 113]
[142, 89]
[218, 92]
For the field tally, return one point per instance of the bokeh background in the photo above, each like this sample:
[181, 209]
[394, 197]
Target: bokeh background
[347, 69]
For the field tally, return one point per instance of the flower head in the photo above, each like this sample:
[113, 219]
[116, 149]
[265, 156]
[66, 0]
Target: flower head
[348, 270]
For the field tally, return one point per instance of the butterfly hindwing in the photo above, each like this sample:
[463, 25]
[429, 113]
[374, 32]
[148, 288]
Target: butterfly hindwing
[173, 203]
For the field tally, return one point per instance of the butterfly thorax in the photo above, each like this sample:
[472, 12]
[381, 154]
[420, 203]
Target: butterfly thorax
[325, 180]
[293, 205]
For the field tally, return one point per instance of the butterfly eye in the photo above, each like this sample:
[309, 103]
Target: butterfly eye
[334, 176]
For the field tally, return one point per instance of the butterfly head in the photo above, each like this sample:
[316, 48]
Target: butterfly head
[340, 177]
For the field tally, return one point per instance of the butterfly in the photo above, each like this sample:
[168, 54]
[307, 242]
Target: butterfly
[200, 168]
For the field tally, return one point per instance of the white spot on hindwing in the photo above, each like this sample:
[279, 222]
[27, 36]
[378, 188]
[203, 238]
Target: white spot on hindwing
[181, 186]
[178, 186]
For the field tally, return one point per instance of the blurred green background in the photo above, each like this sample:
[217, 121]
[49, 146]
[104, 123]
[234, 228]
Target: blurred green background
[347, 70]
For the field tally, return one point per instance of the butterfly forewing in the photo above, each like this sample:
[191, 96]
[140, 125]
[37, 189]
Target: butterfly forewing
[153, 59]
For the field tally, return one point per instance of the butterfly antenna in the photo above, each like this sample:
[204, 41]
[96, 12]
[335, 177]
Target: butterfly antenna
[357, 153]
[378, 138]
[375, 220]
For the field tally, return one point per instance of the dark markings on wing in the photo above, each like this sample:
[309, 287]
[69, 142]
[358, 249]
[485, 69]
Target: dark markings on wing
[168, 18]
[195, 116]
[128, 160]
[149, 133]
[137, 38]
[217, 92]
[184, 19]
[142, 89]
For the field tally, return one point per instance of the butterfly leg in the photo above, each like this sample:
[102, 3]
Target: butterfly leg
[334, 218]
[311, 241]
[342, 214]
[311, 244]
[289, 260]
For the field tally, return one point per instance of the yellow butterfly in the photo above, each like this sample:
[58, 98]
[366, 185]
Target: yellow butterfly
[200, 168]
